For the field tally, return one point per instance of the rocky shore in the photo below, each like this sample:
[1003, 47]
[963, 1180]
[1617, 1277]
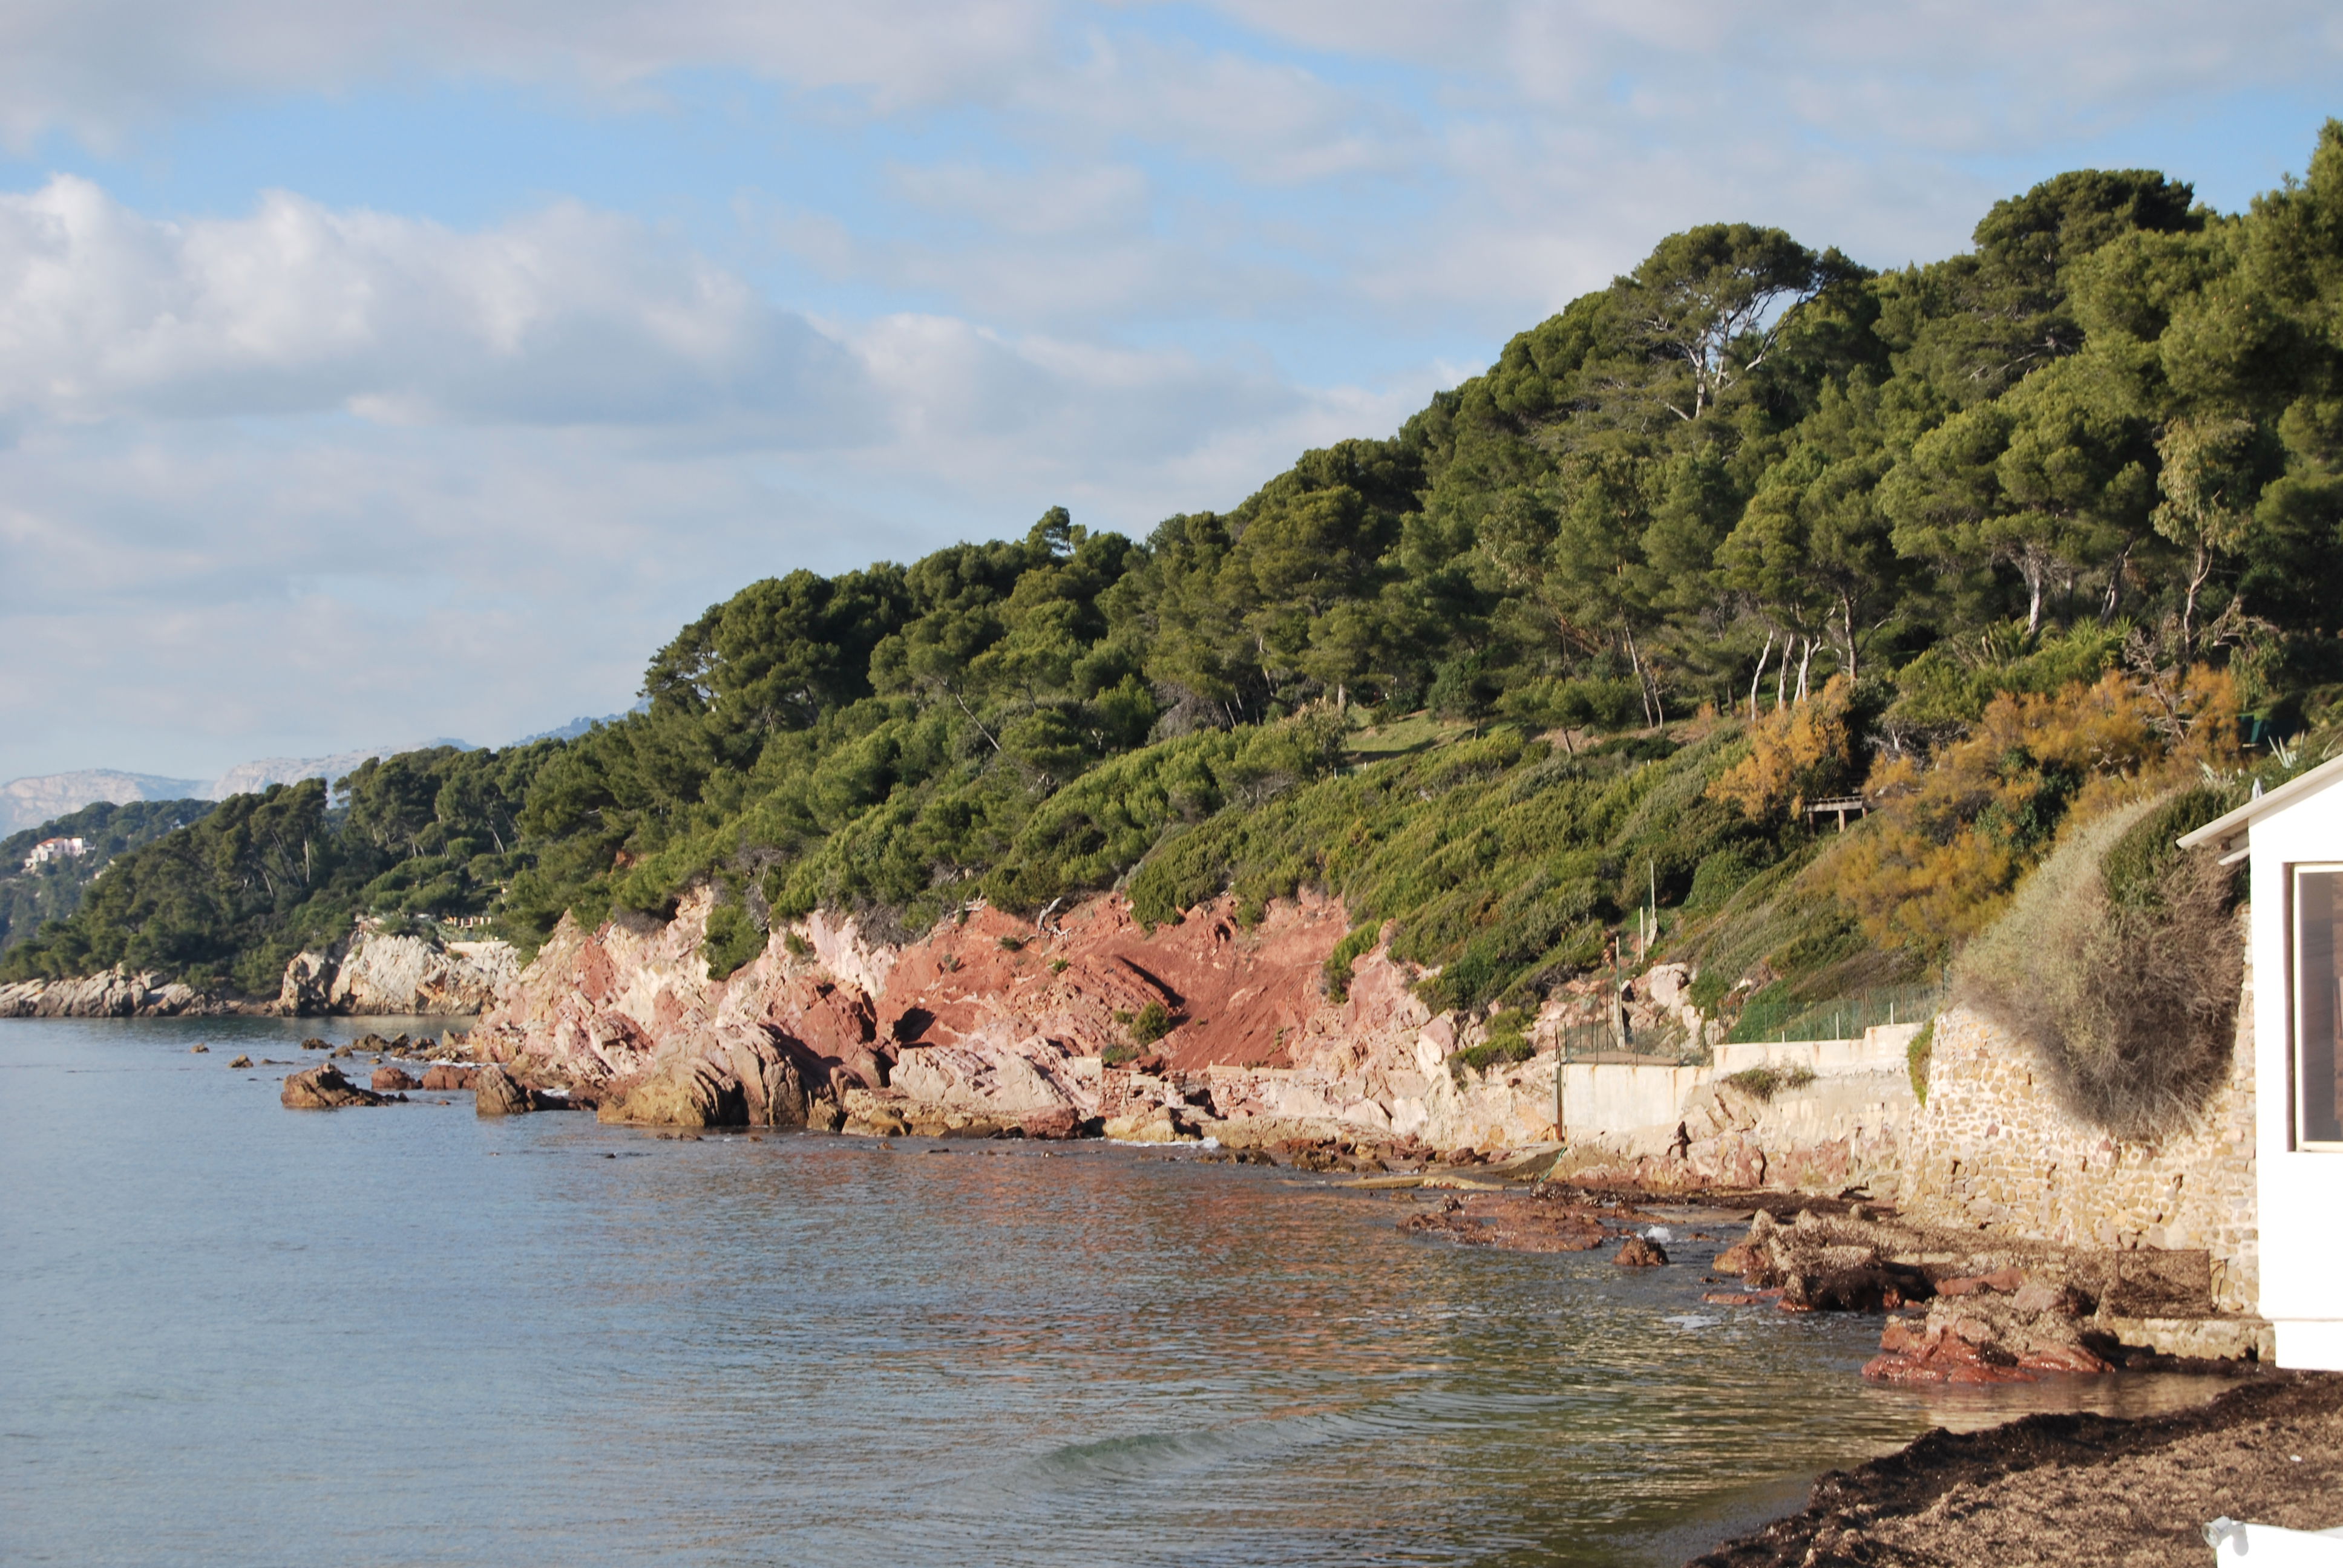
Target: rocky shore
[1240, 1043]
[376, 973]
[1956, 1305]
[116, 993]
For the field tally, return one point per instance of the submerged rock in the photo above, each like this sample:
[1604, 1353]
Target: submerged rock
[323, 1088]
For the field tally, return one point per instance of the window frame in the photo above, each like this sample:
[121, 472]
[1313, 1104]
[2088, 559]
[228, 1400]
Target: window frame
[2298, 1140]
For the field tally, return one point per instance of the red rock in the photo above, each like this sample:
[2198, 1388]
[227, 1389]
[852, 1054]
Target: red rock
[390, 1079]
[1738, 1259]
[1906, 1369]
[1966, 1348]
[2001, 1280]
[448, 1078]
[1641, 1253]
[2063, 1359]
[1064, 1122]
[1734, 1298]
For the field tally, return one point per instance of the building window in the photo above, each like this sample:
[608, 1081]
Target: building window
[2317, 1006]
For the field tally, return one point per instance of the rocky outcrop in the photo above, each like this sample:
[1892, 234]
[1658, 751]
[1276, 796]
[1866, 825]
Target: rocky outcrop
[377, 972]
[116, 993]
[323, 1088]
[1641, 1252]
[392, 1080]
[495, 1092]
[1991, 1310]
[1985, 1340]
[991, 1017]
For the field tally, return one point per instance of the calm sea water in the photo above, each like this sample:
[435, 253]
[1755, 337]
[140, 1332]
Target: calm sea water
[231, 1333]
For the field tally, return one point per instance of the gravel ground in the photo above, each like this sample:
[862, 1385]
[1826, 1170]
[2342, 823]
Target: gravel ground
[2076, 1491]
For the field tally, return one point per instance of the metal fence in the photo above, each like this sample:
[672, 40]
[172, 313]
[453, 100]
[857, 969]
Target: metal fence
[1839, 1017]
[1669, 1044]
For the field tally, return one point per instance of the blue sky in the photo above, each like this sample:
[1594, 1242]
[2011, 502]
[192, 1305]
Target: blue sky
[370, 373]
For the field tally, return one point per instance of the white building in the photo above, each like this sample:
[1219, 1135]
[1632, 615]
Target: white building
[2293, 837]
[49, 849]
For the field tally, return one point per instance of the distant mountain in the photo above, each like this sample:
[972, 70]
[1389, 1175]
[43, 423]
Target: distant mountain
[578, 727]
[251, 778]
[569, 731]
[29, 802]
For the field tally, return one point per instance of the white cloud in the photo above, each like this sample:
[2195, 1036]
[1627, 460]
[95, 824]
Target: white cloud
[293, 480]
[1947, 76]
[105, 68]
[567, 316]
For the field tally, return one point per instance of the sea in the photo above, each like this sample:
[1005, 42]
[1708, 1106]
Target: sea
[232, 1333]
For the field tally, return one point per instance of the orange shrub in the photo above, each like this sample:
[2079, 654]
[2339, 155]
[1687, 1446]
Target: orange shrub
[1794, 752]
[1948, 843]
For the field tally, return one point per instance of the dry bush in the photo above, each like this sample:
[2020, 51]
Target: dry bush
[1947, 843]
[2123, 985]
[1794, 752]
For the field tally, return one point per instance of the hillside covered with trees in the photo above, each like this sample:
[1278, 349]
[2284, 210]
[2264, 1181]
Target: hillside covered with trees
[32, 895]
[2001, 540]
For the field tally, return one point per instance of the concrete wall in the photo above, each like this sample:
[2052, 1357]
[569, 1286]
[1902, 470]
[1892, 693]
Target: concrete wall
[1692, 1127]
[1621, 1097]
[1881, 1050]
[1993, 1152]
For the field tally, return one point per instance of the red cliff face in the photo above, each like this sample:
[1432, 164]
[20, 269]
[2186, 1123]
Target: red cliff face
[990, 1016]
[989, 1021]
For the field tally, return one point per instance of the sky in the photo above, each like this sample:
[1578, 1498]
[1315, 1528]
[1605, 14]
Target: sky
[370, 373]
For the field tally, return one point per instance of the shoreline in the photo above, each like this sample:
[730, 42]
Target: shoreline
[2081, 1490]
[1934, 1496]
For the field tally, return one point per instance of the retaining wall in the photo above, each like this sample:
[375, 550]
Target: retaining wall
[1992, 1150]
[1882, 1049]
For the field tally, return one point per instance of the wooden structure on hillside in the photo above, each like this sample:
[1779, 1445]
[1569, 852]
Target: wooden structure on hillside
[1841, 804]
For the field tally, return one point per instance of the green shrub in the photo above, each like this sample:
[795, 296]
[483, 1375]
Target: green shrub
[1360, 941]
[733, 939]
[1718, 877]
[1507, 1041]
[1916, 1057]
[1148, 1024]
[1765, 1082]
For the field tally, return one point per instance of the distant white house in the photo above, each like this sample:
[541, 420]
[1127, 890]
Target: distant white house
[49, 849]
[2293, 837]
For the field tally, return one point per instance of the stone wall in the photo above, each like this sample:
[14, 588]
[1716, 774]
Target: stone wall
[1992, 1150]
